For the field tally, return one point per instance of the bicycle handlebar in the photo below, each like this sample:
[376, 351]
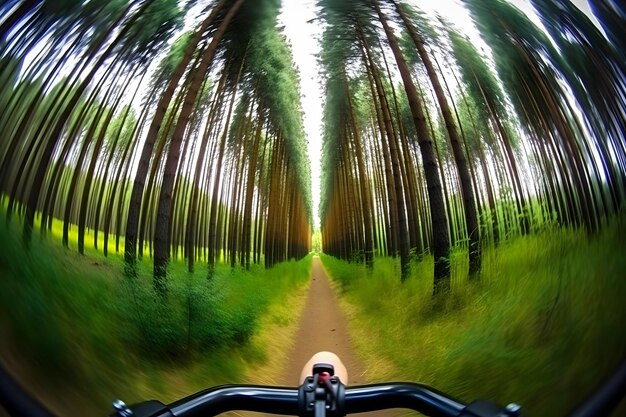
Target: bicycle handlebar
[224, 398]
[358, 399]
[277, 400]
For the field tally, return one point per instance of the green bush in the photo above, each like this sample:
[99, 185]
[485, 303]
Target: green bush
[80, 323]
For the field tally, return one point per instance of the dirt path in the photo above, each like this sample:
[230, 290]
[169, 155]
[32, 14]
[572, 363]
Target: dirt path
[322, 326]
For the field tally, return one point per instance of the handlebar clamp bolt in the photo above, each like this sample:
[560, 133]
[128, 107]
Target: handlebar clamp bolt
[513, 410]
[121, 409]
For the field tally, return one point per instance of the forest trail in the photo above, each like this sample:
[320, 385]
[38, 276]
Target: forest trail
[323, 326]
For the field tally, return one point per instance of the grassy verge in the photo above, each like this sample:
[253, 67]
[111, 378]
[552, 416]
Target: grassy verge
[542, 326]
[79, 334]
[276, 337]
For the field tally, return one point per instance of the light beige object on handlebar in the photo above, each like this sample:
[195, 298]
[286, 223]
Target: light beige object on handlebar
[325, 357]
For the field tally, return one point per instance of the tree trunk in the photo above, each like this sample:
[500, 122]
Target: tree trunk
[441, 238]
[192, 220]
[247, 210]
[212, 238]
[467, 189]
[132, 220]
[57, 129]
[162, 232]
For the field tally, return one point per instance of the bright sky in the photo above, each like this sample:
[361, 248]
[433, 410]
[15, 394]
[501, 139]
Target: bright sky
[304, 36]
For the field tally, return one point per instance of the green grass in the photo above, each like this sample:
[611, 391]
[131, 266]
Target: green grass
[82, 334]
[542, 327]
